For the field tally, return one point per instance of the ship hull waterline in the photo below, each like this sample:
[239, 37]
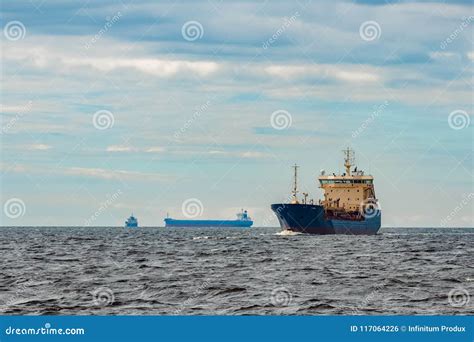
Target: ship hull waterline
[311, 219]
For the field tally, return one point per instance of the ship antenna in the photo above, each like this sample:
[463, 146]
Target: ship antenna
[348, 160]
[295, 185]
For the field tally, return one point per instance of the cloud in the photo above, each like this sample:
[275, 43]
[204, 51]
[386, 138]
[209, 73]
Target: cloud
[123, 148]
[152, 66]
[112, 174]
[216, 152]
[39, 147]
[438, 55]
[98, 173]
[337, 72]
[245, 154]
[4, 108]
[72, 61]
[155, 149]
[117, 148]
[253, 155]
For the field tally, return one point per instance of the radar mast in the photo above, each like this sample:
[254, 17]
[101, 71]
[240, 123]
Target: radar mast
[348, 160]
[295, 185]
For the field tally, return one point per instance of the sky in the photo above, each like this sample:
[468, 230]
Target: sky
[200, 109]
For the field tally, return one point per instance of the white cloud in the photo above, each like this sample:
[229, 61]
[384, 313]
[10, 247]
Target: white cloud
[15, 108]
[155, 149]
[349, 73]
[153, 66]
[64, 55]
[39, 147]
[253, 154]
[71, 61]
[99, 173]
[123, 148]
[118, 148]
[111, 174]
[246, 154]
[216, 152]
[438, 55]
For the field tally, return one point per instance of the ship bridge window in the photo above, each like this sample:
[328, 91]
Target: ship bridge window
[346, 181]
[335, 181]
[363, 181]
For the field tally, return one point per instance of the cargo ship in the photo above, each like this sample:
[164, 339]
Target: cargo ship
[131, 222]
[243, 221]
[349, 205]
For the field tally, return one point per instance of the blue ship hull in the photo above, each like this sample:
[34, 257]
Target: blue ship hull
[169, 222]
[311, 219]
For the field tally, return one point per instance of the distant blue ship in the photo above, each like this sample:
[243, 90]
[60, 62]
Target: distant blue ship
[242, 221]
[131, 222]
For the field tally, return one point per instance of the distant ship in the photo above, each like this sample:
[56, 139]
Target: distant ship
[131, 222]
[349, 205]
[242, 221]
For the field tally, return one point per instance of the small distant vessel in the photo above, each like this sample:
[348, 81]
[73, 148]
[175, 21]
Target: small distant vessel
[242, 221]
[131, 222]
[349, 205]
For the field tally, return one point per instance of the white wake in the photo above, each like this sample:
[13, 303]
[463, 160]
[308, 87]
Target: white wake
[288, 232]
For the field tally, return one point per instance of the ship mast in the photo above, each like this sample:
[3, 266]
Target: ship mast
[295, 186]
[348, 160]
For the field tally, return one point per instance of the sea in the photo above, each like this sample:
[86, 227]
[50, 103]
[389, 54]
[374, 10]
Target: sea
[256, 271]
